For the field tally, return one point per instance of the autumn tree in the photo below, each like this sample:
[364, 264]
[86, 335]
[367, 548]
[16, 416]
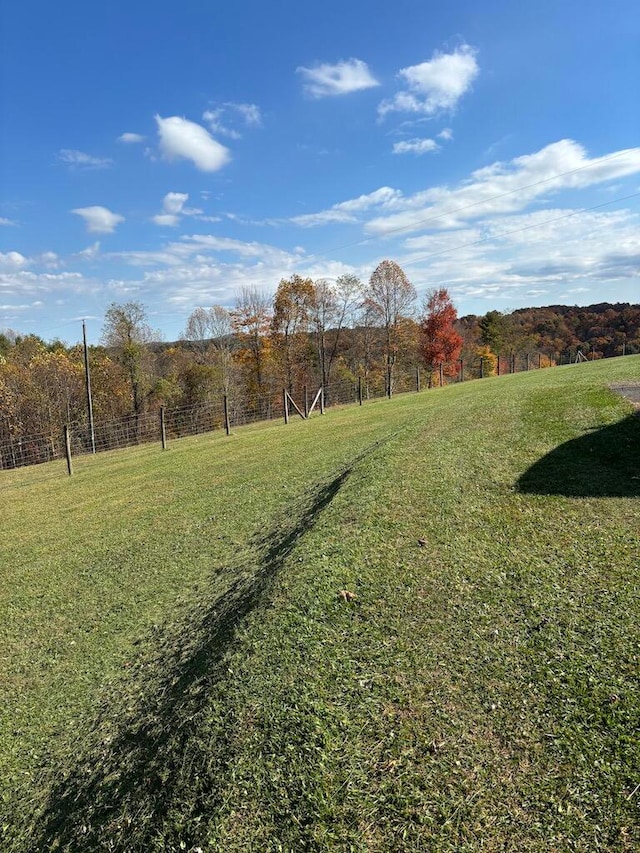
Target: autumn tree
[127, 333]
[390, 296]
[488, 361]
[251, 322]
[41, 388]
[440, 342]
[292, 307]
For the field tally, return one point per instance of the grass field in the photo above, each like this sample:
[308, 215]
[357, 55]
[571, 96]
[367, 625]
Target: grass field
[180, 672]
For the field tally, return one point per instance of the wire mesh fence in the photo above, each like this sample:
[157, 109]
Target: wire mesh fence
[235, 410]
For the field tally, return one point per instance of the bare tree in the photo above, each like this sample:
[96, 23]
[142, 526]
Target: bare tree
[390, 296]
[211, 330]
[332, 308]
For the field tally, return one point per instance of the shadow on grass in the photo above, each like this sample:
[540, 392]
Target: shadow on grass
[153, 738]
[602, 463]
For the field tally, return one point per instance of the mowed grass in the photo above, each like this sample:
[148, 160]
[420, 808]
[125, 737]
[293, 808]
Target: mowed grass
[180, 671]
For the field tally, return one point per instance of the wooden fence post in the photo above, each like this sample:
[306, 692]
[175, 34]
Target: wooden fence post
[498, 363]
[359, 390]
[225, 404]
[539, 361]
[389, 392]
[527, 362]
[462, 370]
[67, 448]
[441, 376]
[481, 367]
[417, 379]
[163, 429]
[322, 400]
[306, 403]
[285, 403]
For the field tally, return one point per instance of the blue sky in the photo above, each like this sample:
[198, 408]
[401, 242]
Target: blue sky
[169, 153]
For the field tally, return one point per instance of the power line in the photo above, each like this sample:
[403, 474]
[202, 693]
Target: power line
[455, 210]
[518, 230]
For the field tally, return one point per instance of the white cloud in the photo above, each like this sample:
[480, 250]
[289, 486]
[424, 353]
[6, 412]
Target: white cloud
[446, 133]
[22, 283]
[415, 146]
[180, 138]
[130, 138]
[49, 260]
[5, 221]
[436, 85]
[79, 160]
[204, 269]
[501, 188]
[383, 198]
[99, 220]
[508, 187]
[543, 250]
[11, 261]
[168, 219]
[349, 75]
[173, 207]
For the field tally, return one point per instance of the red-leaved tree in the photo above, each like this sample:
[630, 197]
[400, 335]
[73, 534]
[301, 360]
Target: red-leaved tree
[440, 343]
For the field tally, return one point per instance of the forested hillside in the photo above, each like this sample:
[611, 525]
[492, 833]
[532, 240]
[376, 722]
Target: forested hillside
[599, 331]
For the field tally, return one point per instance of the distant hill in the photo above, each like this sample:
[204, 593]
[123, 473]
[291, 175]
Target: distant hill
[604, 329]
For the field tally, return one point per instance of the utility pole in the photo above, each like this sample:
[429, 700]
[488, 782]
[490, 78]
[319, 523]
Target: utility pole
[87, 376]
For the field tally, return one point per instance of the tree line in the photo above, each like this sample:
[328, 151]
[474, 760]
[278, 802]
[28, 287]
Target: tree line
[308, 333]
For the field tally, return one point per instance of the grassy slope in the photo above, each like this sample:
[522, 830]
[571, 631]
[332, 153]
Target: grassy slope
[480, 693]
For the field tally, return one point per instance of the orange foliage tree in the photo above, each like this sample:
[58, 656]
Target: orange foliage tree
[440, 342]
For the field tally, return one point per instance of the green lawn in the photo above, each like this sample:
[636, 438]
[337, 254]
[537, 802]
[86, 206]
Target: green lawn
[179, 670]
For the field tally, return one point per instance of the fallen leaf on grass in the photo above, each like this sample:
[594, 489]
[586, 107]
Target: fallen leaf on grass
[347, 595]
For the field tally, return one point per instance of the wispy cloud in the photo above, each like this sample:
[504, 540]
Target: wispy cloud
[530, 256]
[91, 252]
[202, 269]
[81, 161]
[6, 222]
[183, 139]
[345, 211]
[222, 118]
[131, 138]
[434, 86]
[351, 75]
[415, 146]
[507, 187]
[99, 220]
